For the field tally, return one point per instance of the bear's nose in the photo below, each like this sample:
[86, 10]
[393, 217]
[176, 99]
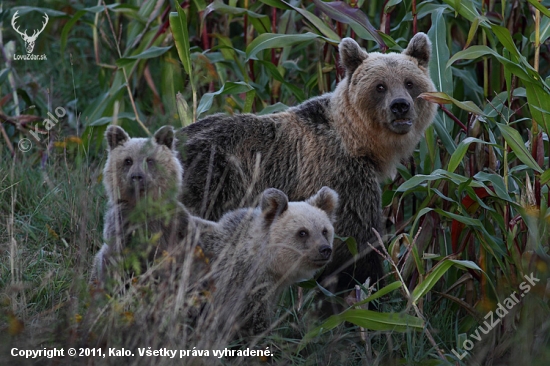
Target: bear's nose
[137, 177]
[325, 251]
[400, 107]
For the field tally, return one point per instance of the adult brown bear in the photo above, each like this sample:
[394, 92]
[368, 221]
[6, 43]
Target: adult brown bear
[347, 140]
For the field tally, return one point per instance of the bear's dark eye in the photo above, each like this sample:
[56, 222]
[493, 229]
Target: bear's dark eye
[303, 233]
[150, 160]
[128, 162]
[409, 84]
[325, 232]
[380, 88]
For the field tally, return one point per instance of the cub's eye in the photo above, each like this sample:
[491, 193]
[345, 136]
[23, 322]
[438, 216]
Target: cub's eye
[302, 233]
[380, 88]
[325, 232]
[409, 84]
[150, 160]
[128, 162]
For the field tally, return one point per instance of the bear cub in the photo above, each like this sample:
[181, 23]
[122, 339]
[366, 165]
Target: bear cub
[258, 252]
[143, 179]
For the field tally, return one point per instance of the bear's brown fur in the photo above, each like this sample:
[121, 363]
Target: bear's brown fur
[348, 140]
[258, 252]
[142, 178]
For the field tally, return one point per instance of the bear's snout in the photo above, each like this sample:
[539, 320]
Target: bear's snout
[138, 181]
[325, 251]
[402, 116]
[137, 178]
[400, 107]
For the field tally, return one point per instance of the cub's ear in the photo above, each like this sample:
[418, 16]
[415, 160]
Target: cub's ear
[115, 136]
[420, 48]
[273, 203]
[327, 200]
[165, 136]
[351, 55]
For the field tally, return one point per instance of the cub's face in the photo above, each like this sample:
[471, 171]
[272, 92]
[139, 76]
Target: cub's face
[386, 86]
[300, 233]
[138, 167]
[303, 238]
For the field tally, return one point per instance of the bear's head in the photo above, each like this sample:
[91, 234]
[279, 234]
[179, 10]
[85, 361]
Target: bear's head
[300, 233]
[138, 167]
[380, 93]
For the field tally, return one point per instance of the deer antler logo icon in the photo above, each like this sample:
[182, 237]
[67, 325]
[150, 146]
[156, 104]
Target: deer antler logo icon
[29, 40]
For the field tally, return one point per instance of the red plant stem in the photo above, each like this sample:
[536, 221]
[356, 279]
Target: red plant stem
[205, 40]
[537, 152]
[273, 54]
[413, 173]
[273, 30]
[453, 117]
[250, 62]
[415, 26]
[353, 4]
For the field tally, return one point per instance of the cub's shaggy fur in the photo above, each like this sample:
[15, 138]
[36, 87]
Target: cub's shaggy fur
[258, 252]
[348, 140]
[143, 179]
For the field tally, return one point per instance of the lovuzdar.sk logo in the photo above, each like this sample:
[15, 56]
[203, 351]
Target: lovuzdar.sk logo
[29, 40]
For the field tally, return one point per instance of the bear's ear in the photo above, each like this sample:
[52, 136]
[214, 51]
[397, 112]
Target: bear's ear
[351, 55]
[420, 48]
[165, 136]
[327, 200]
[273, 203]
[115, 136]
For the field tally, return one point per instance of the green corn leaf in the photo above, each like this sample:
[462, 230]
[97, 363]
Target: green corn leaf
[443, 98]
[540, 7]
[435, 274]
[441, 75]
[513, 138]
[227, 88]
[461, 149]
[368, 319]
[313, 19]
[545, 177]
[358, 21]
[539, 104]
[178, 25]
[151, 52]
[271, 40]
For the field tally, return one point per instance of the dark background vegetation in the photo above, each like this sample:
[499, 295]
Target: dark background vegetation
[466, 218]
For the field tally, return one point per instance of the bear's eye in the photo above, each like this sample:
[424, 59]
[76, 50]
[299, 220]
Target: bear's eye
[128, 162]
[150, 160]
[325, 232]
[380, 88]
[303, 233]
[409, 84]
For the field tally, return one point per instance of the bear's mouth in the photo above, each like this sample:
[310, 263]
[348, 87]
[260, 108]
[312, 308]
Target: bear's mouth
[138, 189]
[318, 263]
[401, 125]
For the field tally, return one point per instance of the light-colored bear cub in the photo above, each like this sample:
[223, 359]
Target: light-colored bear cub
[142, 178]
[258, 252]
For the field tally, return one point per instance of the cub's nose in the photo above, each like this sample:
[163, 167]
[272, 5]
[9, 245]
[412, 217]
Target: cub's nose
[325, 251]
[137, 177]
[400, 107]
